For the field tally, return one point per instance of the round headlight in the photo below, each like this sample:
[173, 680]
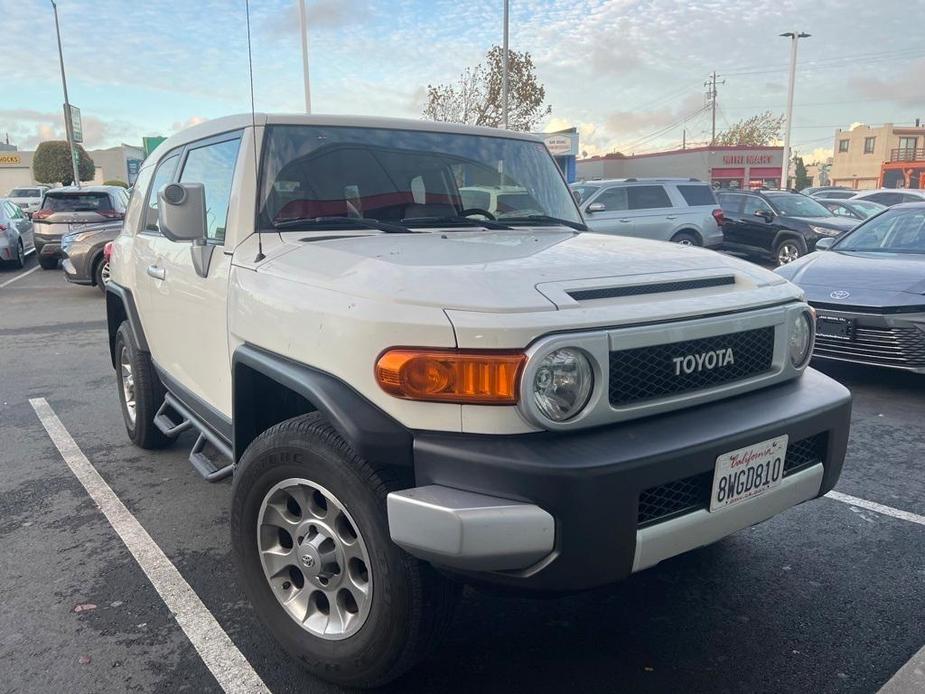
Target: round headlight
[801, 338]
[562, 384]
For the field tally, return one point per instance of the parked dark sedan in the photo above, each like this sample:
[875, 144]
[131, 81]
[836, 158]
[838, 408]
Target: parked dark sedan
[778, 225]
[83, 254]
[868, 289]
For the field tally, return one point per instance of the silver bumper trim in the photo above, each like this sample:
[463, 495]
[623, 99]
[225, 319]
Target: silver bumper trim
[664, 540]
[469, 531]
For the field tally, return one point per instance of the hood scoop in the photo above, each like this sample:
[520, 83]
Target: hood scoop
[650, 288]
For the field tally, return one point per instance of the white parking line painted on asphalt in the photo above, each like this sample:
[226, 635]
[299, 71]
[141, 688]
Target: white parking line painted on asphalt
[19, 277]
[227, 664]
[910, 679]
[877, 508]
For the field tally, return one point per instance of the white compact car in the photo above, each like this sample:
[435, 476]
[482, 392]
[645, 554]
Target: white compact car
[412, 394]
[29, 198]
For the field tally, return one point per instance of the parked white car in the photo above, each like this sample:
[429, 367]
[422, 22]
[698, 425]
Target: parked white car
[29, 198]
[891, 196]
[411, 395]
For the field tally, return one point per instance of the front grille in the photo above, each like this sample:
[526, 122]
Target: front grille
[653, 288]
[672, 499]
[645, 373]
[902, 347]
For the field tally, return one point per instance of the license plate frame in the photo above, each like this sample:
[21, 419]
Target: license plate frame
[765, 460]
[835, 327]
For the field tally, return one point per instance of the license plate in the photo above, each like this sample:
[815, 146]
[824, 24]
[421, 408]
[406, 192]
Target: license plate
[834, 326]
[748, 472]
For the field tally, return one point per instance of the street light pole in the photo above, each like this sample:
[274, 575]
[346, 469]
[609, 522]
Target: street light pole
[303, 24]
[504, 67]
[794, 37]
[67, 104]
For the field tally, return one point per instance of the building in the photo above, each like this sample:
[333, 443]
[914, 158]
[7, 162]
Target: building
[121, 162]
[731, 167]
[870, 157]
[563, 145]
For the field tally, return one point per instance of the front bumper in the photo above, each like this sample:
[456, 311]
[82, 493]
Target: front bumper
[71, 274]
[590, 484]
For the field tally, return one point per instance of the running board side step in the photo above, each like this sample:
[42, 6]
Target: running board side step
[199, 457]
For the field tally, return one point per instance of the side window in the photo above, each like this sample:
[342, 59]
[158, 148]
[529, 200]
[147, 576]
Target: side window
[137, 201]
[697, 195]
[213, 166]
[753, 204]
[647, 197]
[907, 197]
[885, 198]
[730, 202]
[164, 175]
[613, 199]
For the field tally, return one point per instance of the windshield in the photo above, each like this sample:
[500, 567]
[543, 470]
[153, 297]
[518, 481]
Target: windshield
[894, 231]
[312, 172]
[867, 207]
[794, 205]
[77, 202]
[25, 193]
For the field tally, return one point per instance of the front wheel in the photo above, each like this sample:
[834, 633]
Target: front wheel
[101, 274]
[310, 533]
[48, 262]
[140, 391]
[787, 251]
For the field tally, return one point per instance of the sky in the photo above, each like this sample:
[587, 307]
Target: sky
[628, 73]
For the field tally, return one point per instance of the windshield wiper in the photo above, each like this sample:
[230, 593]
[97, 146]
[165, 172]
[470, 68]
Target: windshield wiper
[454, 220]
[541, 219]
[306, 223]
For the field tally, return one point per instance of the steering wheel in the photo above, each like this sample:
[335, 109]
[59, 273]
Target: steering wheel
[477, 210]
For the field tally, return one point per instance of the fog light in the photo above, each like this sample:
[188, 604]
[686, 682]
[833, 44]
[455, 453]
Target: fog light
[562, 384]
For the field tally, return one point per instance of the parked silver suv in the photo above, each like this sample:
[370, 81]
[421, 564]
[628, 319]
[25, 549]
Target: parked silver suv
[683, 210]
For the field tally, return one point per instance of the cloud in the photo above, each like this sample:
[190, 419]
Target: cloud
[189, 122]
[903, 88]
[27, 128]
[320, 14]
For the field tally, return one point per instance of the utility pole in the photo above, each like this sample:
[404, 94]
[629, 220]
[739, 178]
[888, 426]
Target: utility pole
[67, 104]
[794, 37]
[303, 25]
[711, 97]
[504, 66]
[684, 138]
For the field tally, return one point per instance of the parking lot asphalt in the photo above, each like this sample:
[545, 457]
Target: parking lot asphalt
[827, 597]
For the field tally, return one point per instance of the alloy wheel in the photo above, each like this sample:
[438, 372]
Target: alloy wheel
[127, 379]
[104, 273]
[314, 559]
[787, 253]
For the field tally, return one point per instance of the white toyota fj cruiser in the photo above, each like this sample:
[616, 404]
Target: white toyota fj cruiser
[412, 394]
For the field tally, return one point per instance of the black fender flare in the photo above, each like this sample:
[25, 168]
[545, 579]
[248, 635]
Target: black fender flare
[120, 306]
[373, 434]
[786, 235]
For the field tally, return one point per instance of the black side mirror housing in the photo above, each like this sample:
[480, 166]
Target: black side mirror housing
[765, 215]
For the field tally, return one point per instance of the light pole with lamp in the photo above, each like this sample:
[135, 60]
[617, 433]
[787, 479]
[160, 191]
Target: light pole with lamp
[67, 105]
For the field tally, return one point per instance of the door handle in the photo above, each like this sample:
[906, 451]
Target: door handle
[672, 216]
[156, 272]
[626, 221]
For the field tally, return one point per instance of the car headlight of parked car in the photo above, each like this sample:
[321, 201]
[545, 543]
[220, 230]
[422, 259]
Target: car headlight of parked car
[802, 331]
[562, 384]
[823, 231]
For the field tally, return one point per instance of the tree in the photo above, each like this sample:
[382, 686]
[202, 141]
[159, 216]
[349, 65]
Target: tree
[475, 97]
[763, 129]
[52, 163]
[115, 182]
[800, 179]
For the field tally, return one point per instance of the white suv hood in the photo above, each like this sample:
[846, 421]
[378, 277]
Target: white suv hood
[493, 272]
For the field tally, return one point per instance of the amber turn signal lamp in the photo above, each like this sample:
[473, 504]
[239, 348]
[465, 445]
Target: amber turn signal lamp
[475, 377]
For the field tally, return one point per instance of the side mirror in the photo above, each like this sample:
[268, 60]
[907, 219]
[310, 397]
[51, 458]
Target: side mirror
[181, 215]
[596, 207]
[765, 215]
[181, 211]
[825, 243]
[576, 196]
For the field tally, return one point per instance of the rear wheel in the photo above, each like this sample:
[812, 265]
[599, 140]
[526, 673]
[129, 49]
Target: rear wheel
[686, 238]
[140, 391]
[20, 258]
[48, 262]
[788, 250]
[310, 533]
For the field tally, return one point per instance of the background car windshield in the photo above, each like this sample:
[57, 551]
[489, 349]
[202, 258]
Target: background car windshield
[896, 231]
[390, 175]
[798, 206]
[869, 208]
[75, 202]
[25, 193]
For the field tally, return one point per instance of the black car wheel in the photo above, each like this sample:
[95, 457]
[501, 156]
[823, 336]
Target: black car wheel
[48, 262]
[686, 238]
[788, 250]
[20, 258]
[101, 274]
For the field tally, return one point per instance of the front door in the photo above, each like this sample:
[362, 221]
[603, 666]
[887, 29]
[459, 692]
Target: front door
[614, 218]
[185, 315]
[758, 232]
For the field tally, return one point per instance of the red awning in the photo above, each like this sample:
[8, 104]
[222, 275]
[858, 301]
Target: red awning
[728, 173]
[764, 172]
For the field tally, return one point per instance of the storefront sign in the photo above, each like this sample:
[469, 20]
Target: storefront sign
[10, 159]
[559, 144]
[750, 159]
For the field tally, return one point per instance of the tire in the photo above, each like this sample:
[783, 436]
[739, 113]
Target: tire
[788, 249]
[20, 259]
[100, 273]
[686, 238]
[145, 389]
[411, 605]
[48, 263]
